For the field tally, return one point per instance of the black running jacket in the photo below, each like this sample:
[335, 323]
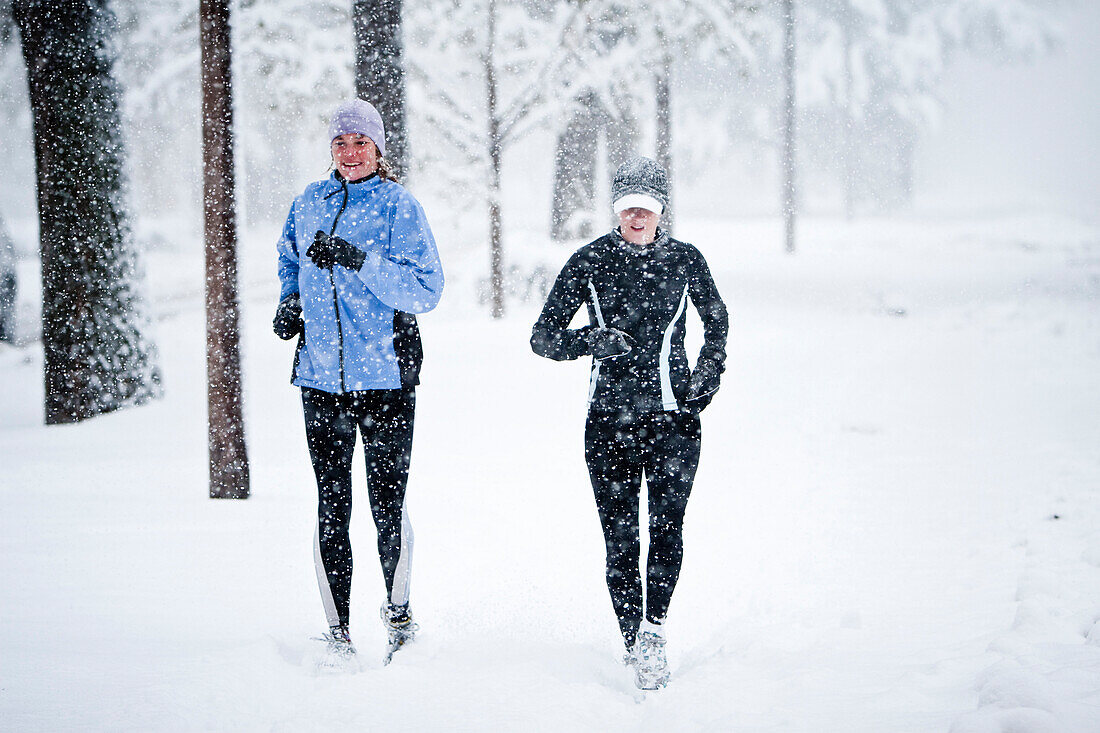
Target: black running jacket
[642, 291]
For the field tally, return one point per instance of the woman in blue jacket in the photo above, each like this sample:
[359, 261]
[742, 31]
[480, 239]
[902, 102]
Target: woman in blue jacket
[356, 260]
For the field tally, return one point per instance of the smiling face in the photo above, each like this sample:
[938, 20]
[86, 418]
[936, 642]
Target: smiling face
[638, 225]
[355, 156]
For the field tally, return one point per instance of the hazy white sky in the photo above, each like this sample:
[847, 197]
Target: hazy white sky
[1026, 135]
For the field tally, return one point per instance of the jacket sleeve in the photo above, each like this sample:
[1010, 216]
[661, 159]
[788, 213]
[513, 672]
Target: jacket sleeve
[288, 258]
[551, 337]
[408, 275]
[712, 312]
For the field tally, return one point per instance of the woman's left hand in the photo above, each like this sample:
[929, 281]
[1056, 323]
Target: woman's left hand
[704, 381]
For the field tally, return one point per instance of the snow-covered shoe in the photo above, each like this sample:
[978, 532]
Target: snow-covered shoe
[400, 628]
[651, 665]
[339, 651]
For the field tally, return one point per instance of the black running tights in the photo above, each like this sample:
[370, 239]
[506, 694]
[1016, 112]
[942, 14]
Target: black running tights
[663, 447]
[384, 418]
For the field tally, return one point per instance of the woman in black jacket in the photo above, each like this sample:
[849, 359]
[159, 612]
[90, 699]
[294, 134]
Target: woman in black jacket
[644, 399]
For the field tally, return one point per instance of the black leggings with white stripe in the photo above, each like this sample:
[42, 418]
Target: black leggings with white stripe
[384, 418]
[620, 449]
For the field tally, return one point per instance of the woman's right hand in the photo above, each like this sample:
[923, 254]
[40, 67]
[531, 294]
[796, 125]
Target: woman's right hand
[328, 251]
[607, 343]
[288, 317]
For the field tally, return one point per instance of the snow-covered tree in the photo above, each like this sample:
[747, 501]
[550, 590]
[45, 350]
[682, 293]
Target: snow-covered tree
[643, 51]
[696, 32]
[869, 72]
[576, 158]
[293, 61]
[604, 111]
[16, 148]
[98, 356]
[294, 65]
[485, 74]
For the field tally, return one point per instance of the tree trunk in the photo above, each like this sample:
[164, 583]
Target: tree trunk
[97, 356]
[380, 71]
[622, 136]
[788, 165]
[229, 475]
[663, 105]
[496, 244]
[849, 168]
[8, 285]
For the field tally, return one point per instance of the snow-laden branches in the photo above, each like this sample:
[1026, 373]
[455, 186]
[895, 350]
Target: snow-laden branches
[531, 56]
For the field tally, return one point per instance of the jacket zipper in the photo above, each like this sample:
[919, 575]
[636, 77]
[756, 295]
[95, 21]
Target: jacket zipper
[332, 279]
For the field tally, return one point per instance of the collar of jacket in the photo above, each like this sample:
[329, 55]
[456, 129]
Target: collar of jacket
[340, 179]
[336, 184]
[659, 242]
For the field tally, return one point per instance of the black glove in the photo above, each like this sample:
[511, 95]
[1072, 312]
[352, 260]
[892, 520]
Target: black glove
[607, 343]
[288, 317]
[327, 251]
[704, 383]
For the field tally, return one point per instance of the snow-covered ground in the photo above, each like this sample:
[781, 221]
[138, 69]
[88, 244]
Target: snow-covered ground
[895, 526]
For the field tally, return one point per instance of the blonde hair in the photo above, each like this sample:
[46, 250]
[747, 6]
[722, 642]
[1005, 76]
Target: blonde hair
[385, 170]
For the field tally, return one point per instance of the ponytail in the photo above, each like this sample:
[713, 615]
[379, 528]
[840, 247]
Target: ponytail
[386, 171]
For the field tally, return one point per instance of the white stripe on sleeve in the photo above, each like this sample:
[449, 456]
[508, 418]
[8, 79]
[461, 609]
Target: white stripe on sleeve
[668, 399]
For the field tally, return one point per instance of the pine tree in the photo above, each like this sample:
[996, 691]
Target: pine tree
[98, 357]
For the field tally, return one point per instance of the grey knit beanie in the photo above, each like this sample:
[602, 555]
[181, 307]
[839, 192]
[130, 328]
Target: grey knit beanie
[642, 183]
[357, 116]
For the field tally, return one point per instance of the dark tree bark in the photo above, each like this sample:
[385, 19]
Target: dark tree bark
[380, 70]
[229, 474]
[788, 146]
[98, 357]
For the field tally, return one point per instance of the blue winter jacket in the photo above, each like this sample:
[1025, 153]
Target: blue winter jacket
[349, 316]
